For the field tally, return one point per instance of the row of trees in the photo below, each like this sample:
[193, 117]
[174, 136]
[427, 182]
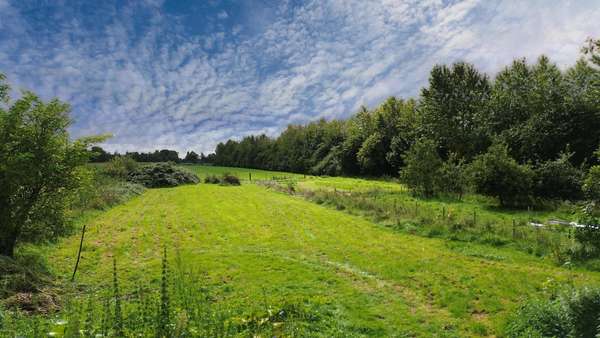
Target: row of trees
[97, 155]
[536, 115]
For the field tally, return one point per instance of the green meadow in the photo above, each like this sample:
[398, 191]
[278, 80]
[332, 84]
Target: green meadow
[257, 248]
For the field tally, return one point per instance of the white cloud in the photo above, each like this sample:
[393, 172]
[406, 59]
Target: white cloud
[156, 87]
[222, 15]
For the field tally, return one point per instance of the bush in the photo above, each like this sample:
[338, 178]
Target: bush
[588, 236]
[212, 179]
[226, 179]
[422, 167]
[575, 313]
[591, 184]
[162, 175]
[121, 166]
[451, 177]
[229, 179]
[558, 179]
[495, 173]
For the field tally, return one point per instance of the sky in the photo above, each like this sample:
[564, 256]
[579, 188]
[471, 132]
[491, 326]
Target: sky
[185, 75]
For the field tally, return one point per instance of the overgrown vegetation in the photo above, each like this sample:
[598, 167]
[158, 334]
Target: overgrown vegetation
[182, 304]
[162, 175]
[571, 313]
[225, 179]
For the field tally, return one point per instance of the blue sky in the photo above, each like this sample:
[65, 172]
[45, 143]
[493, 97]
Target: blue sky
[186, 74]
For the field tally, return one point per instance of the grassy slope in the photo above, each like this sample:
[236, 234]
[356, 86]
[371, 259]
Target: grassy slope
[257, 244]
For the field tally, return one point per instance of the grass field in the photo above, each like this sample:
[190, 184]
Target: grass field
[243, 173]
[258, 247]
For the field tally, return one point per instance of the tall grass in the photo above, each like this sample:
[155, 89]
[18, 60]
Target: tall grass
[444, 218]
[181, 306]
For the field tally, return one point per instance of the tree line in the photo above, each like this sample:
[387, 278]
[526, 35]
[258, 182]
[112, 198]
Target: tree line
[529, 122]
[98, 155]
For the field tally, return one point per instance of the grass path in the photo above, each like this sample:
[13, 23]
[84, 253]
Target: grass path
[259, 246]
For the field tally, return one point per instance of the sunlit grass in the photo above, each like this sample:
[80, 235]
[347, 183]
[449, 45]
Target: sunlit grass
[258, 246]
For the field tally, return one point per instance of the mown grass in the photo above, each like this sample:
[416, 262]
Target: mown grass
[244, 174]
[257, 247]
[472, 218]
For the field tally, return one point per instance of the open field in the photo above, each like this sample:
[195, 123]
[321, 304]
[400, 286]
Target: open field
[473, 218]
[262, 247]
[243, 173]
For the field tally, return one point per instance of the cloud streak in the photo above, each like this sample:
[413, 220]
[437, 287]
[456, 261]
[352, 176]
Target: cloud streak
[154, 80]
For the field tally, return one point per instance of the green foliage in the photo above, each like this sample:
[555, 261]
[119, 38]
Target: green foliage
[574, 313]
[163, 326]
[592, 49]
[39, 169]
[99, 155]
[162, 175]
[212, 179]
[26, 273]
[118, 319]
[453, 108]
[183, 305]
[588, 236]
[229, 179]
[452, 178]
[591, 184]
[121, 166]
[558, 179]
[495, 173]
[422, 167]
[99, 190]
[540, 318]
[191, 157]
[536, 109]
[225, 179]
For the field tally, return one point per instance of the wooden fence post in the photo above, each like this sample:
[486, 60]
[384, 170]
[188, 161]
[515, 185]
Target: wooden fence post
[78, 253]
[513, 228]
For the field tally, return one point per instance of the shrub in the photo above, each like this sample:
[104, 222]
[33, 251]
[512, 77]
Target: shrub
[495, 173]
[588, 236]
[422, 167]
[573, 314]
[539, 318]
[591, 184]
[229, 179]
[558, 179]
[212, 179]
[162, 175]
[451, 177]
[121, 166]
[226, 179]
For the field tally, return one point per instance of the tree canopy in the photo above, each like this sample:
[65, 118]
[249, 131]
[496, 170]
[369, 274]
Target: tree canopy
[39, 168]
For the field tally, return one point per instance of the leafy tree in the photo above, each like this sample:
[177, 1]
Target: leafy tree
[453, 107]
[591, 184]
[558, 179]
[121, 166]
[39, 168]
[99, 155]
[592, 49]
[452, 177]
[537, 110]
[422, 167]
[582, 125]
[191, 157]
[495, 173]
